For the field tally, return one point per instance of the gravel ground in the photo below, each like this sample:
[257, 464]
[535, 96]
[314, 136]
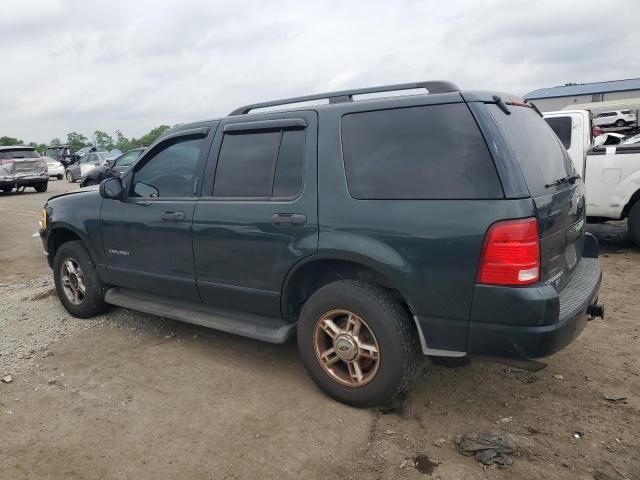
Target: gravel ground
[128, 395]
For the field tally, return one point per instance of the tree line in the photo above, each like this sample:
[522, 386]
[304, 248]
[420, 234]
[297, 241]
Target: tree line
[101, 140]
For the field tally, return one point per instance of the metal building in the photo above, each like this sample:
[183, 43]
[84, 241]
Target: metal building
[571, 95]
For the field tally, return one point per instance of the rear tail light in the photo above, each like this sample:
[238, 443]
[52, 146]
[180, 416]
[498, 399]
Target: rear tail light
[511, 253]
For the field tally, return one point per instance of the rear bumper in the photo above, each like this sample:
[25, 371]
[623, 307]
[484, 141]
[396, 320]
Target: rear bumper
[27, 181]
[533, 322]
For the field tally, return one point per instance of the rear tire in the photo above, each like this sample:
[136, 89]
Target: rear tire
[77, 282]
[633, 224]
[41, 187]
[90, 182]
[384, 324]
[7, 189]
[620, 123]
[69, 176]
[59, 177]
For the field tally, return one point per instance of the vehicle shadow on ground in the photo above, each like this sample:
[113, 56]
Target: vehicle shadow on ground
[613, 237]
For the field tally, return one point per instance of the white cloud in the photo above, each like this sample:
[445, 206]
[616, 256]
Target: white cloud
[132, 65]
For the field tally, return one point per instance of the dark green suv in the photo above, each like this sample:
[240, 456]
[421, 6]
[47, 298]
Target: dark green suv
[450, 222]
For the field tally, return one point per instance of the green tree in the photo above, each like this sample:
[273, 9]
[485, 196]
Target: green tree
[121, 142]
[55, 141]
[7, 141]
[149, 138]
[103, 140]
[76, 140]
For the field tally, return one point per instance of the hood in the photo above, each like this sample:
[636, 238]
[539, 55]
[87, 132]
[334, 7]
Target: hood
[92, 188]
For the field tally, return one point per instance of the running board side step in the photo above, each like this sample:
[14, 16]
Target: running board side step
[266, 329]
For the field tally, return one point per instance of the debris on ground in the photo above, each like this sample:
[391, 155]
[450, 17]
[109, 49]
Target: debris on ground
[171, 335]
[440, 442]
[488, 448]
[52, 381]
[615, 398]
[7, 379]
[558, 377]
[390, 432]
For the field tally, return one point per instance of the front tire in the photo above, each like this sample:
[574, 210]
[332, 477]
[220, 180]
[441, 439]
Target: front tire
[42, 187]
[77, 282]
[357, 343]
[633, 224]
[69, 176]
[620, 123]
[59, 177]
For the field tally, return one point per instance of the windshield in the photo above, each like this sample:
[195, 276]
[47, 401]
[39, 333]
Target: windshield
[55, 152]
[19, 153]
[542, 158]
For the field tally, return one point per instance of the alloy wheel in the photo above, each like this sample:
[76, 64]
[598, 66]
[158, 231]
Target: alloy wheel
[346, 348]
[73, 283]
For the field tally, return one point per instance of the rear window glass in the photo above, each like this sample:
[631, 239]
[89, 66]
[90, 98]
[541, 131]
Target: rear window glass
[18, 153]
[430, 152]
[541, 156]
[562, 128]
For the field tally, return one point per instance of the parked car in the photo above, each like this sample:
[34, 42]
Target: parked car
[631, 140]
[22, 167]
[611, 172]
[115, 167]
[86, 163]
[450, 221]
[55, 168]
[618, 118]
[62, 153]
[92, 160]
[72, 172]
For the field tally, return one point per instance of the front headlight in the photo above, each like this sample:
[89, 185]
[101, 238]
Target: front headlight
[42, 223]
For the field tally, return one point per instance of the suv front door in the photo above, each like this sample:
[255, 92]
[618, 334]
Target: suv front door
[147, 236]
[258, 213]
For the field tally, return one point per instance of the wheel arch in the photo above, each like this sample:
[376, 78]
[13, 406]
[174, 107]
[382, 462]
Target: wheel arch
[61, 234]
[629, 205]
[314, 272]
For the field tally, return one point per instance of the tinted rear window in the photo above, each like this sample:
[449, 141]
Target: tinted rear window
[562, 128]
[430, 152]
[541, 156]
[19, 153]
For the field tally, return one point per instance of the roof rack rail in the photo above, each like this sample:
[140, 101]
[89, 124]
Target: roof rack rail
[435, 86]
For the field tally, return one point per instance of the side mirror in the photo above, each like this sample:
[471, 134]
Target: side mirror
[112, 188]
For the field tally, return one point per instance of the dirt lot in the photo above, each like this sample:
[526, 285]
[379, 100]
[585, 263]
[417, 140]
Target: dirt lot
[131, 396]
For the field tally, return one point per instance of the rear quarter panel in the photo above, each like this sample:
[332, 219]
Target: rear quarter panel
[427, 249]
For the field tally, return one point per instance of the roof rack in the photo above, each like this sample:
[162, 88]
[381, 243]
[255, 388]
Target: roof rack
[435, 86]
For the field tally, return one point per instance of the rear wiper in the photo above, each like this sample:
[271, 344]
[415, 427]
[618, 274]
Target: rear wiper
[568, 179]
[501, 105]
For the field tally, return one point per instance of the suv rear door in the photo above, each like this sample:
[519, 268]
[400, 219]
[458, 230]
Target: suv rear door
[257, 215]
[560, 205]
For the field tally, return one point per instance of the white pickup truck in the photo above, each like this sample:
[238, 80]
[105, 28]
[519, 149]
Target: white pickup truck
[611, 173]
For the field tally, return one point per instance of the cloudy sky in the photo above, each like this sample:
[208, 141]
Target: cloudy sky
[78, 65]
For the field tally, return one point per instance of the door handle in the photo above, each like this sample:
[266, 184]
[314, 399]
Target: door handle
[171, 216]
[284, 219]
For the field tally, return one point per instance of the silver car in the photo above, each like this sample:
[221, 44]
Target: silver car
[22, 167]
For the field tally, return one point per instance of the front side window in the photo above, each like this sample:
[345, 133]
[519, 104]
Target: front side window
[429, 152]
[260, 164]
[170, 172]
[127, 159]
